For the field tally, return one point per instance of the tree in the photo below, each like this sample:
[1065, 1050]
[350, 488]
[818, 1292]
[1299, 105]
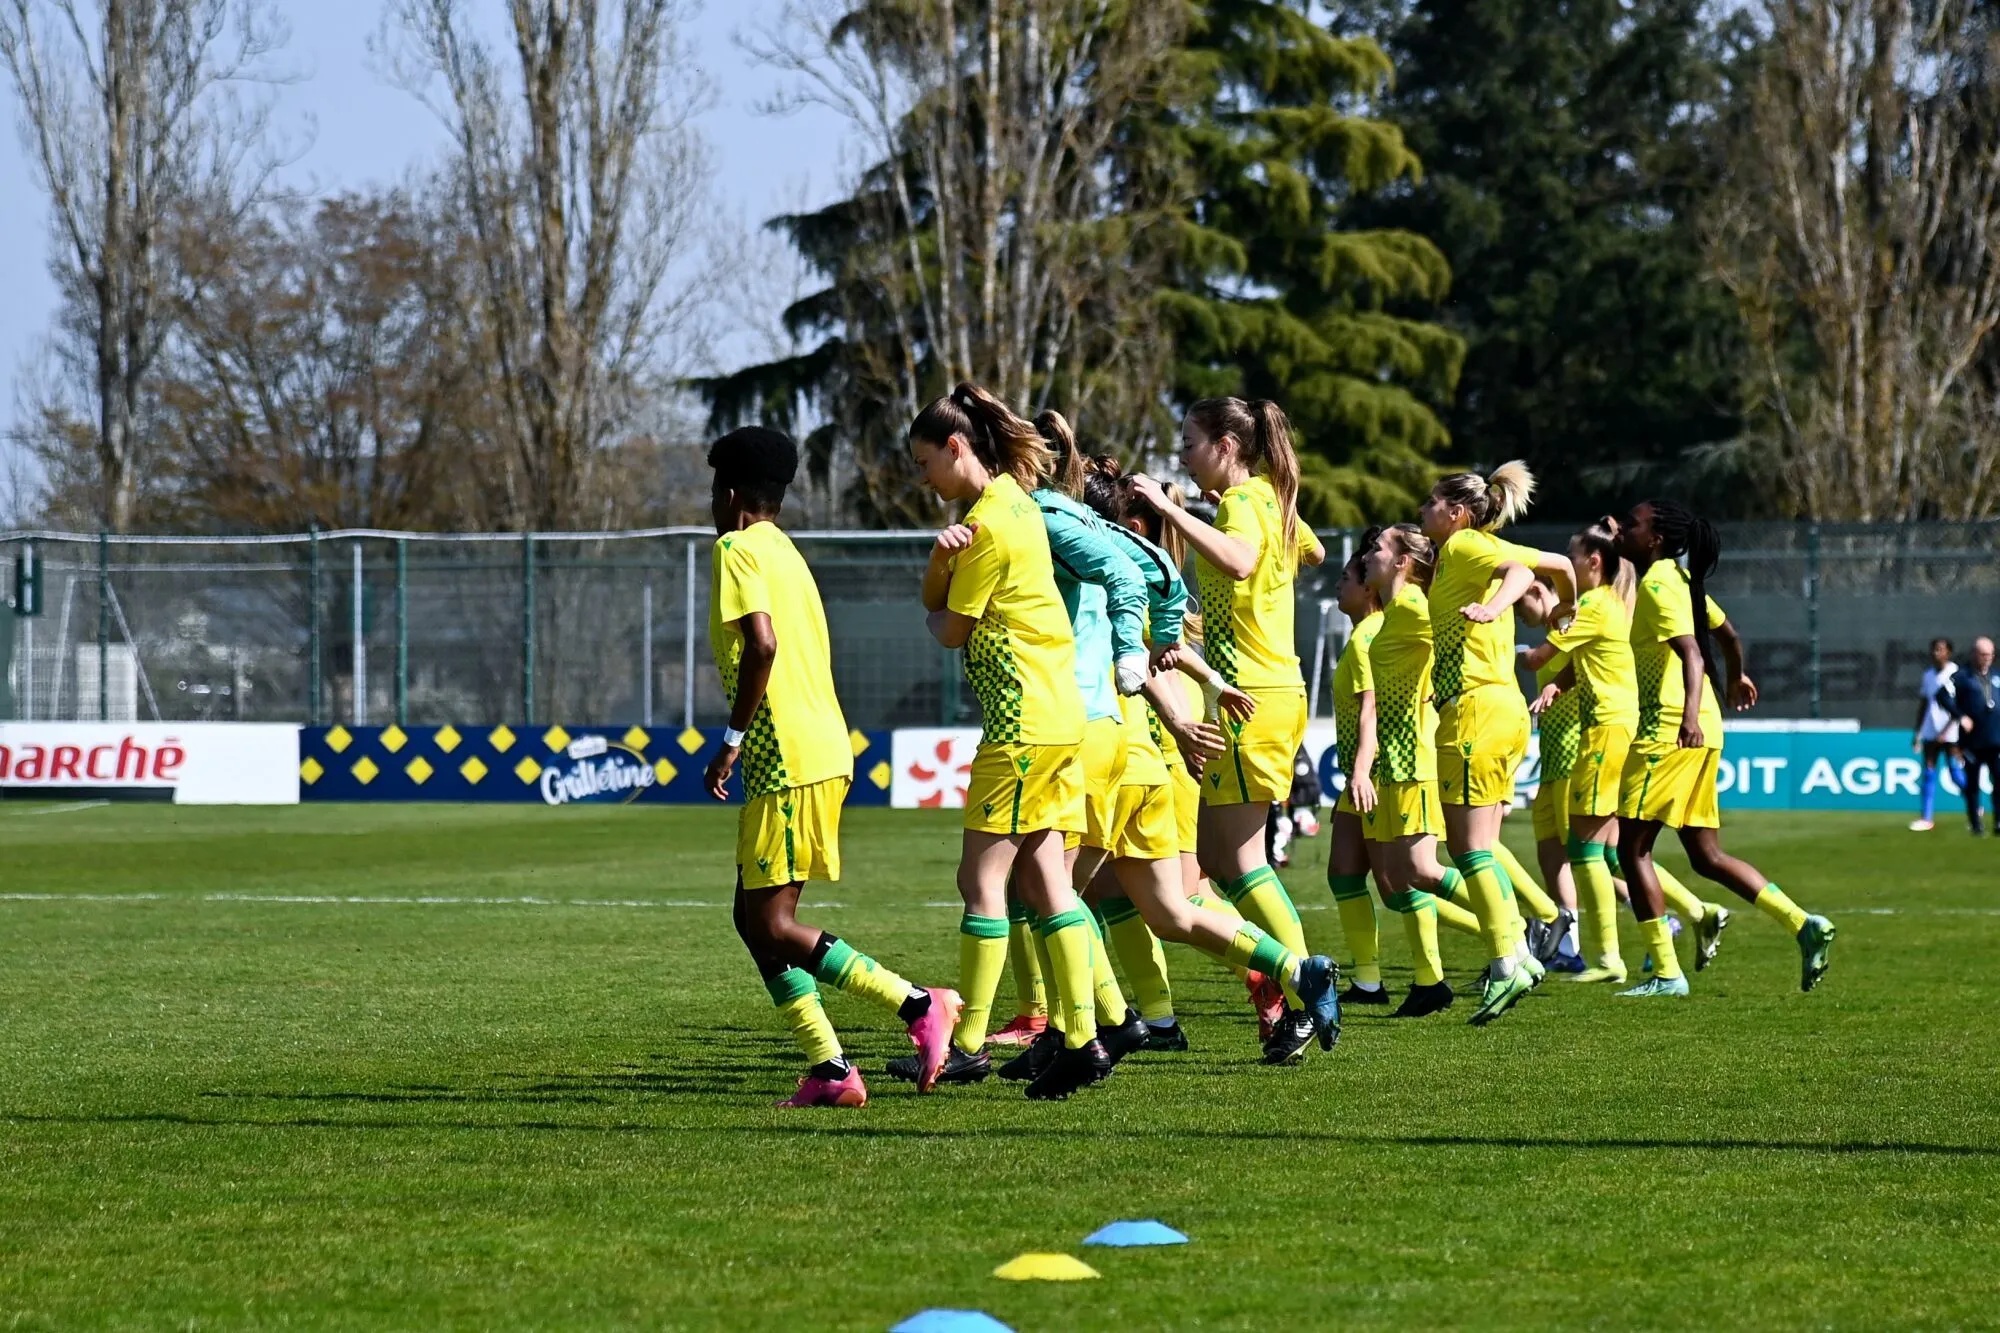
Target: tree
[1859, 229]
[1568, 153]
[127, 111]
[580, 178]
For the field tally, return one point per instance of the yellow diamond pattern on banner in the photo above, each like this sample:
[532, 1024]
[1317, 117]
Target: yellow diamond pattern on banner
[339, 739]
[555, 738]
[365, 770]
[857, 743]
[311, 770]
[500, 738]
[665, 772]
[527, 770]
[394, 739]
[637, 739]
[420, 770]
[690, 740]
[447, 738]
[472, 770]
[881, 775]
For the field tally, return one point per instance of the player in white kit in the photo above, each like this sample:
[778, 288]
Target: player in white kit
[1936, 736]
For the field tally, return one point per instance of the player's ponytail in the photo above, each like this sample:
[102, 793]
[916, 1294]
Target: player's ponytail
[1684, 533]
[1263, 439]
[1000, 440]
[1408, 540]
[1069, 468]
[1493, 501]
[1601, 540]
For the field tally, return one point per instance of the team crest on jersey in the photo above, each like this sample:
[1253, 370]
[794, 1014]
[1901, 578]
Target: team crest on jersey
[1024, 763]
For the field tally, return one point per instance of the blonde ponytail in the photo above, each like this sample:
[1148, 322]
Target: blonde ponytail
[1070, 468]
[1492, 501]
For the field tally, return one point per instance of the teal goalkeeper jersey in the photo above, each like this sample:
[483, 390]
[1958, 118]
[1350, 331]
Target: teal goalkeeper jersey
[1103, 591]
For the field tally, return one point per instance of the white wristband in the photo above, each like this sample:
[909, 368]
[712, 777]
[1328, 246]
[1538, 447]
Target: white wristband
[732, 738]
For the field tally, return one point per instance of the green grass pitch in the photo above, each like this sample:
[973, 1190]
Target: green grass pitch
[223, 1110]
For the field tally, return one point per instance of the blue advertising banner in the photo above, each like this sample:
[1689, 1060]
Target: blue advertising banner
[553, 765]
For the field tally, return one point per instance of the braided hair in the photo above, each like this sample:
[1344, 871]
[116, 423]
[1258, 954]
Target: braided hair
[1682, 532]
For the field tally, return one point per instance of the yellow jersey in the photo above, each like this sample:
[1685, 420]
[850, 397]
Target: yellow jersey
[1471, 655]
[1020, 658]
[1352, 678]
[797, 736]
[1399, 661]
[1598, 640]
[1665, 611]
[1562, 722]
[1247, 623]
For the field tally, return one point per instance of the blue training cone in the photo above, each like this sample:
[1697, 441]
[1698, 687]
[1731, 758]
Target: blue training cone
[1127, 1234]
[951, 1321]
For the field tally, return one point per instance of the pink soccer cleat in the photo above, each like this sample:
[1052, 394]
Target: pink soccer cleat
[1021, 1030]
[931, 1035]
[849, 1091]
[1269, 998]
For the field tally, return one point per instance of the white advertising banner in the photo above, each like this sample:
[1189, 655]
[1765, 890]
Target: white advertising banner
[933, 766]
[196, 763]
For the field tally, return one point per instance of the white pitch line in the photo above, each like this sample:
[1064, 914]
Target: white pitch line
[69, 808]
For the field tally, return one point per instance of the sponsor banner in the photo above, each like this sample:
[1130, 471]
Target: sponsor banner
[190, 763]
[933, 766]
[553, 765]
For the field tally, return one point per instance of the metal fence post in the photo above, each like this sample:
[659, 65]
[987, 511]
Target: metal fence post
[359, 621]
[646, 657]
[402, 632]
[104, 626]
[1812, 615]
[528, 628]
[687, 643]
[312, 627]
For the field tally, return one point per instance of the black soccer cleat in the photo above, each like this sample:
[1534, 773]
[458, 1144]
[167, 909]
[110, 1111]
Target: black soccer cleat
[1425, 1000]
[958, 1068]
[1356, 994]
[1173, 1038]
[1290, 1036]
[1030, 1063]
[1071, 1070]
[1126, 1038]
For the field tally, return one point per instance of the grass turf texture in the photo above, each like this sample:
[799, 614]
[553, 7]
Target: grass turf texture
[226, 1113]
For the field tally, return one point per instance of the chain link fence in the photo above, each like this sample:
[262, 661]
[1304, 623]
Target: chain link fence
[602, 628]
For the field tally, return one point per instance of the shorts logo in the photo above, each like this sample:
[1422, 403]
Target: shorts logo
[763, 863]
[1024, 763]
[988, 808]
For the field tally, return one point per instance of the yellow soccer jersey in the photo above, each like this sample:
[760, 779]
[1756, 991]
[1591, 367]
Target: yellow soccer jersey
[1665, 610]
[1247, 624]
[1020, 658]
[1145, 766]
[1352, 678]
[797, 736]
[1561, 723]
[1599, 643]
[1399, 660]
[1471, 655]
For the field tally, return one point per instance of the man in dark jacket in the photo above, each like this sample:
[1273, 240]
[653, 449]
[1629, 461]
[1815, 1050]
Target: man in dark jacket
[1973, 696]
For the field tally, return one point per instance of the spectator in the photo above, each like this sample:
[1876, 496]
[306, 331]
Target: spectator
[1974, 699]
[1936, 736]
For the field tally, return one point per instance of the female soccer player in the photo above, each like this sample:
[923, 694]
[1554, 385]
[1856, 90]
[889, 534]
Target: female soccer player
[1482, 718]
[1348, 862]
[1560, 724]
[1936, 734]
[1669, 779]
[990, 589]
[1246, 563]
[767, 629]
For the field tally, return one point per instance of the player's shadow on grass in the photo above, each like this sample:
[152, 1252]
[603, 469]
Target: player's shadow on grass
[744, 1071]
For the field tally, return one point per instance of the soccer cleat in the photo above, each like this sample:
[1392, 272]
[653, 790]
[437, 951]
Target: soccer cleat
[1708, 934]
[1290, 1036]
[1921, 826]
[1536, 972]
[1020, 1030]
[1359, 994]
[1656, 986]
[1539, 936]
[1030, 1063]
[1568, 962]
[1558, 936]
[849, 1091]
[1614, 975]
[1269, 998]
[931, 1035]
[1500, 995]
[1425, 1000]
[1126, 1038]
[958, 1068]
[1319, 978]
[1170, 1038]
[1072, 1069]
[1815, 943]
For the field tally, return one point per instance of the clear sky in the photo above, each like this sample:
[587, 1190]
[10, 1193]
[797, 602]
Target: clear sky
[363, 131]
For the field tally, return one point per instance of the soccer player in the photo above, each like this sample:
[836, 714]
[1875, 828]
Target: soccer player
[1560, 724]
[1348, 863]
[1482, 718]
[1246, 564]
[767, 629]
[1974, 696]
[1936, 735]
[1669, 778]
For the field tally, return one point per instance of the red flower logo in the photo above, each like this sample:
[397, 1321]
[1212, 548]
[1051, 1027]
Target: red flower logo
[947, 776]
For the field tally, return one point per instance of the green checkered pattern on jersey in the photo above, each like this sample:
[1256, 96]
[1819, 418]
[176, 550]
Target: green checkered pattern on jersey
[1448, 662]
[1218, 629]
[996, 679]
[1397, 735]
[1652, 666]
[1562, 734]
[763, 759]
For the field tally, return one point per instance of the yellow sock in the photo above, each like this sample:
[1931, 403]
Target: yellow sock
[1030, 997]
[1679, 897]
[1487, 887]
[1253, 950]
[1111, 1009]
[1261, 897]
[1449, 902]
[839, 966]
[1419, 913]
[1357, 923]
[982, 956]
[1145, 961]
[1048, 967]
[1526, 890]
[1774, 904]
[1218, 903]
[1596, 905]
[798, 1001]
[1660, 943]
[1070, 944]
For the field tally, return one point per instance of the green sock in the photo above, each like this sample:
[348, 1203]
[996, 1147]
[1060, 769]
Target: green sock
[1145, 961]
[982, 957]
[1261, 897]
[839, 966]
[1357, 921]
[1068, 938]
[1258, 952]
[1487, 885]
[1451, 903]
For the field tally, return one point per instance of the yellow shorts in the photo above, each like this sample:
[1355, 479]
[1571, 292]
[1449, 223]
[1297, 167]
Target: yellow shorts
[1025, 789]
[1482, 739]
[1675, 787]
[1104, 756]
[1402, 810]
[1187, 809]
[1595, 782]
[1256, 762]
[790, 836]
[1145, 825]
[1345, 805]
[1551, 809]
